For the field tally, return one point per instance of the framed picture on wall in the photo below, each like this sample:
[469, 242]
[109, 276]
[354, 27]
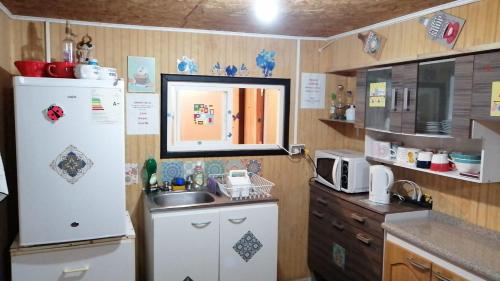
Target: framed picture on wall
[141, 73]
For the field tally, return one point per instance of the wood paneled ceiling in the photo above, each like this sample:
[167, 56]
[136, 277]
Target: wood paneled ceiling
[296, 17]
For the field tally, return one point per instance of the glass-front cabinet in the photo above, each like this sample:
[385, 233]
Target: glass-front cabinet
[436, 85]
[412, 98]
[378, 98]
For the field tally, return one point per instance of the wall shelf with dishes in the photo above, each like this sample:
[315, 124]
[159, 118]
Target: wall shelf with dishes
[474, 160]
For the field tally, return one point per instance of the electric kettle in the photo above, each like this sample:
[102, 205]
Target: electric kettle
[380, 183]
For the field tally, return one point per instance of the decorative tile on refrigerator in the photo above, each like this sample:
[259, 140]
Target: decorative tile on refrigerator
[71, 164]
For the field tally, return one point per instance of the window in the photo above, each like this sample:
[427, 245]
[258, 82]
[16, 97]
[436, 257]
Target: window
[223, 116]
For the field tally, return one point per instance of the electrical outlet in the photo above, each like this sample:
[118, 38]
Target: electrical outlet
[296, 149]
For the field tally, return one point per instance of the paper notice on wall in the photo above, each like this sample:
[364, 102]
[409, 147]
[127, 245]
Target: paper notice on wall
[143, 114]
[312, 94]
[495, 99]
[377, 94]
[106, 106]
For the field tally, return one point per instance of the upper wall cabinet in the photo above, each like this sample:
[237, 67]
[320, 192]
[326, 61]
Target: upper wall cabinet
[486, 72]
[429, 98]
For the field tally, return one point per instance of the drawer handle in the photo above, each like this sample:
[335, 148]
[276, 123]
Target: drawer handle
[78, 269]
[237, 221]
[201, 225]
[318, 214]
[322, 201]
[440, 277]
[338, 225]
[358, 218]
[364, 239]
[418, 265]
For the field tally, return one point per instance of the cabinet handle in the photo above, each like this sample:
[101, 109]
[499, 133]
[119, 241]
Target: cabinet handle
[393, 100]
[201, 224]
[237, 221]
[358, 218]
[322, 201]
[418, 265]
[406, 100]
[338, 225]
[78, 269]
[318, 214]
[440, 277]
[364, 239]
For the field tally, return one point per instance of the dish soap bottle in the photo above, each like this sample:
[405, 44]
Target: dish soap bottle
[350, 113]
[150, 173]
[68, 45]
[198, 176]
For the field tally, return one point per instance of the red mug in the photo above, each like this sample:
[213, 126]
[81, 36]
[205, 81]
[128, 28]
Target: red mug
[31, 68]
[61, 69]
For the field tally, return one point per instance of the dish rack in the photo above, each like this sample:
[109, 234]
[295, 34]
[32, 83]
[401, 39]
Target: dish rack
[259, 187]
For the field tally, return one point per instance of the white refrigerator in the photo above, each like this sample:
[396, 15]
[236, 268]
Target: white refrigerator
[70, 147]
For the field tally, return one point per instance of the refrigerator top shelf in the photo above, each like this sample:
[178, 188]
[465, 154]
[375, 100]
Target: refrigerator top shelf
[66, 82]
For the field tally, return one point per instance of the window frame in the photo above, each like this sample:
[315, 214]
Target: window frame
[167, 151]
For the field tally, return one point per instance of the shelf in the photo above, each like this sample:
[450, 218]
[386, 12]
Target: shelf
[333, 121]
[450, 174]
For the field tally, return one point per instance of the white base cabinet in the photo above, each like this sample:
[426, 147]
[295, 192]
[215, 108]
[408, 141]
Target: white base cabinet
[223, 243]
[90, 260]
[248, 248]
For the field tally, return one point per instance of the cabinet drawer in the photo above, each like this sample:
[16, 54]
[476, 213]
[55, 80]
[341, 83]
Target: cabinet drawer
[104, 262]
[354, 215]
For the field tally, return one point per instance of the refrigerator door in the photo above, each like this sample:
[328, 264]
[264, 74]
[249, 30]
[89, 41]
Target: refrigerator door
[70, 159]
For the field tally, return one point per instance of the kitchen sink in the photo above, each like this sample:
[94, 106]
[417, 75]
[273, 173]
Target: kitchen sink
[168, 200]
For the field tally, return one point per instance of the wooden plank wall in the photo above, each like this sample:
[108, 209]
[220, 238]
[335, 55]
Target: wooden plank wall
[291, 176]
[475, 203]
[408, 41]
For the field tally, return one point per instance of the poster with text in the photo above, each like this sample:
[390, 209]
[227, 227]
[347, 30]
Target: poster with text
[312, 94]
[377, 95]
[143, 114]
[495, 99]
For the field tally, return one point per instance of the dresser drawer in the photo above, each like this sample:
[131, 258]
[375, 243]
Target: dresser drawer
[106, 261]
[354, 215]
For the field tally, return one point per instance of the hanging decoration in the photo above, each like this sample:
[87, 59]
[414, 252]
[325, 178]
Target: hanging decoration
[443, 28]
[231, 70]
[266, 62]
[216, 69]
[187, 65]
[373, 43]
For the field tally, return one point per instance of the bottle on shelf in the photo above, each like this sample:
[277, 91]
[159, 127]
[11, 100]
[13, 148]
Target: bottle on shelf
[68, 45]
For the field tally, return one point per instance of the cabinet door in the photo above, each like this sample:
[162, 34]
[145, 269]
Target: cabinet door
[462, 98]
[401, 264]
[404, 98]
[248, 243]
[360, 99]
[186, 245]
[378, 98]
[441, 274]
[486, 71]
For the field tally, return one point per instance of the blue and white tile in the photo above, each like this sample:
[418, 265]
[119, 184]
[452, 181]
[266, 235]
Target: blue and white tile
[234, 164]
[214, 167]
[171, 169]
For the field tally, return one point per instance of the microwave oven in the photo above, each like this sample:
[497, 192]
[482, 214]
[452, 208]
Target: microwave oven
[342, 169]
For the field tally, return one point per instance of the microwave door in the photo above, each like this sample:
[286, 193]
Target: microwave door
[335, 175]
[325, 170]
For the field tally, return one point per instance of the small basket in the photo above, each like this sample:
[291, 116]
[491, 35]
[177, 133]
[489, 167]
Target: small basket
[259, 187]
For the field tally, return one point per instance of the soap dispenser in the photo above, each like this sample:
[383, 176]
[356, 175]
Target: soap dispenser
[198, 176]
[350, 113]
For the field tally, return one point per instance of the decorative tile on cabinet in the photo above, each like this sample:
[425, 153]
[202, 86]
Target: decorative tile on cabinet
[247, 246]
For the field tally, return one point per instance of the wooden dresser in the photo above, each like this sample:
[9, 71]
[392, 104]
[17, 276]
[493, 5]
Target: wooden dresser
[346, 240]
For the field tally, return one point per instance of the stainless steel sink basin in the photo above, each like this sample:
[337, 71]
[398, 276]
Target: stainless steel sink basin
[168, 200]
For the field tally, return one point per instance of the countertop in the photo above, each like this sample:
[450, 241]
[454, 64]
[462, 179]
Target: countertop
[219, 201]
[470, 247]
[361, 199]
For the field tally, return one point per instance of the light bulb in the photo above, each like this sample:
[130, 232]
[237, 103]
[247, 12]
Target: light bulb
[266, 11]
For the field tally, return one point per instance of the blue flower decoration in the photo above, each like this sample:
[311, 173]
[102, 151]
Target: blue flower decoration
[216, 69]
[266, 62]
[231, 70]
[187, 65]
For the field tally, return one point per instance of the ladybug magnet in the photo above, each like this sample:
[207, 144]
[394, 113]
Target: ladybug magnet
[54, 112]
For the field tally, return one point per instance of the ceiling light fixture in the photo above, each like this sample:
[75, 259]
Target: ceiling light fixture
[266, 10]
